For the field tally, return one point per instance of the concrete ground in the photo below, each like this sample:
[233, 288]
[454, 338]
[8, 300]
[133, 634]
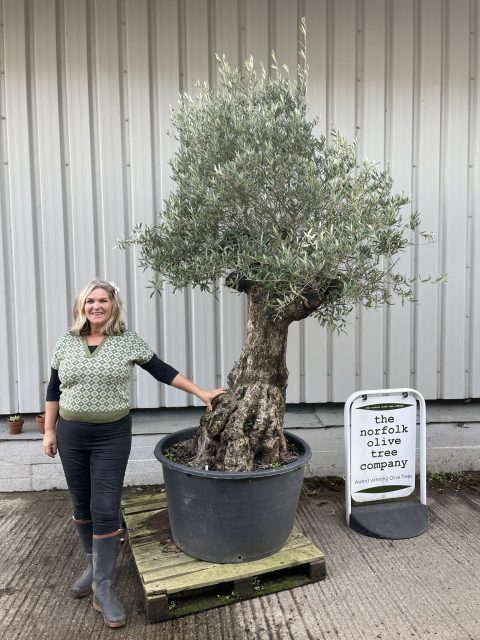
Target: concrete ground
[425, 587]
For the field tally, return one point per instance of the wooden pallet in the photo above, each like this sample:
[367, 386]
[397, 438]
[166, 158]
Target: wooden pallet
[175, 584]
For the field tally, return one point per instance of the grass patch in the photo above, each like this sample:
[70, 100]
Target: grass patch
[204, 598]
[457, 481]
[436, 481]
[323, 484]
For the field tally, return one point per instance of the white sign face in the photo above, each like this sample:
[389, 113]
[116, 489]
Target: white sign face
[382, 447]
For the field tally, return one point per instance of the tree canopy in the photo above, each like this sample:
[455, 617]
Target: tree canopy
[271, 208]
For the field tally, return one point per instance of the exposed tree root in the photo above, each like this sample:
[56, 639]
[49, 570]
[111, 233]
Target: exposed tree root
[244, 431]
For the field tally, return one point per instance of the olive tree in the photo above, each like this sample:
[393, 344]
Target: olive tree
[287, 218]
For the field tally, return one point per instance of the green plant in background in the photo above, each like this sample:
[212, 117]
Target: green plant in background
[227, 597]
[15, 423]
[170, 455]
[293, 221]
[256, 584]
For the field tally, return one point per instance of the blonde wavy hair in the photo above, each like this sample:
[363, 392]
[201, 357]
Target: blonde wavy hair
[114, 325]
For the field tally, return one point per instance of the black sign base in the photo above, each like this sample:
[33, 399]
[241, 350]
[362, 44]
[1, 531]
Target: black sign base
[391, 520]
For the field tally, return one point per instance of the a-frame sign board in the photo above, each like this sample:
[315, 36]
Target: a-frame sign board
[380, 459]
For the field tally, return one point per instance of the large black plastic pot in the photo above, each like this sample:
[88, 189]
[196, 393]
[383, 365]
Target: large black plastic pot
[220, 516]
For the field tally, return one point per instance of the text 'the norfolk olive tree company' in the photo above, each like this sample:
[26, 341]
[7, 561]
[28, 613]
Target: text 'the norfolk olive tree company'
[291, 220]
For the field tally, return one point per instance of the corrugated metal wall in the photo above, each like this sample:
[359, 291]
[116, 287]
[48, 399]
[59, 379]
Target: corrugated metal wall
[85, 92]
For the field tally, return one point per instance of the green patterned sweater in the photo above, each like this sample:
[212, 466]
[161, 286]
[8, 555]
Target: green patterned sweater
[95, 387]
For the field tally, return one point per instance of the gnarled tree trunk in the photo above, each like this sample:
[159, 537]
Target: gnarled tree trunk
[245, 428]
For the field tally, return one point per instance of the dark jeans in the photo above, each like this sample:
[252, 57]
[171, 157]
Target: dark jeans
[94, 458]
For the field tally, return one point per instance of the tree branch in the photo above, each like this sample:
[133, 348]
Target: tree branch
[238, 283]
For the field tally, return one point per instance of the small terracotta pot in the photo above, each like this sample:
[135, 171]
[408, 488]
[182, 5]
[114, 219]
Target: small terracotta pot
[40, 420]
[15, 427]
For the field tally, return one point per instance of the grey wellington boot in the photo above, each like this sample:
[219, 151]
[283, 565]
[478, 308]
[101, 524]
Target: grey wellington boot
[104, 599]
[83, 586]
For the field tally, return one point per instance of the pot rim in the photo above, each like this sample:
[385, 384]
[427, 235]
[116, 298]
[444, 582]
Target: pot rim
[184, 434]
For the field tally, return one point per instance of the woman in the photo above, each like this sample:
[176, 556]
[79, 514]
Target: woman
[87, 416]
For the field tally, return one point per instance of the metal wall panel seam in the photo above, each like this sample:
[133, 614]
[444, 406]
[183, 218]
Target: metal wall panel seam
[317, 52]
[441, 210]
[302, 364]
[8, 338]
[140, 175]
[138, 77]
[167, 82]
[64, 154]
[182, 45]
[343, 115]
[190, 339]
[242, 32]
[372, 337]
[211, 42]
[79, 123]
[187, 293]
[153, 76]
[98, 239]
[473, 129]
[414, 262]
[130, 259]
[315, 336]
[197, 68]
[220, 339]
[226, 21]
[359, 86]
[474, 390]
[175, 305]
[198, 63]
[288, 30]
[108, 160]
[21, 203]
[428, 193]
[399, 145]
[257, 43]
[53, 307]
[301, 15]
[455, 198]
[144, 390]
[38, 302]
[285, 34]
[272, 33]
[183, 87]
[129, 297]
[212, 13]
[387, 136]
[329, 111]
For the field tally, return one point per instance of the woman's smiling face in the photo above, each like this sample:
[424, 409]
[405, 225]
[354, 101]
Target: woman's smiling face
[98, 308]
